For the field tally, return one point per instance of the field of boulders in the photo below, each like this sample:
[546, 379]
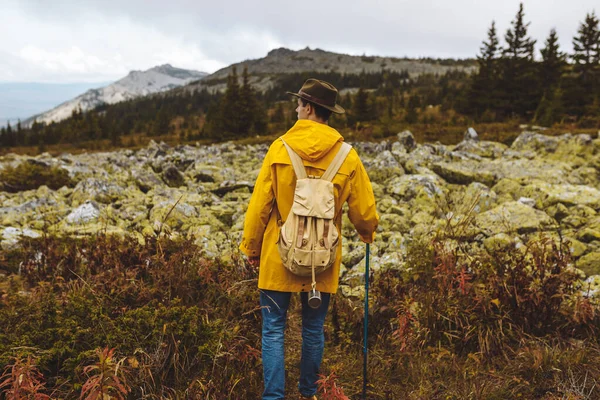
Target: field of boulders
[120, 274]
[540, 185]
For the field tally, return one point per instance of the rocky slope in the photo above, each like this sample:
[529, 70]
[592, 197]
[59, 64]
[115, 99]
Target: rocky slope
[282, 60]
[538, 186]
[136, 84]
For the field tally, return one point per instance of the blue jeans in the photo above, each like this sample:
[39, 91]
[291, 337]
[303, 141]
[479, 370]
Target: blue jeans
[274, 312]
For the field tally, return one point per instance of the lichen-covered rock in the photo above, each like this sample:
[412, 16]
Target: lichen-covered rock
[383, 167]
[172, 177]
[589, 263]
[409, 187]
[353, 257]
[87, 212]
[483, 149]
[575, 149]
[10, 236]
[500, 242]
[464, 173]
[547, 194]
[558, 211]
[588, 235]
[471, 135]
[535, 142]
[100, 190]
[475, 198]
[507, 189]
[513, 217]
[145, 179]
[576, 248]
[393, 223]
[205, 173]
[478, 180]
[407, 140]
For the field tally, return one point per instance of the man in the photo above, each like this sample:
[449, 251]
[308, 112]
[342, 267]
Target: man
[317, 144]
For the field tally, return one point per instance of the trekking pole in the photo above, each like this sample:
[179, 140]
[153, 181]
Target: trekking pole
[366, 324]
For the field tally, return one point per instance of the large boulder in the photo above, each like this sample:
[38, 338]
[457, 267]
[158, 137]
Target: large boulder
[464, 173]
[483, 149]
[99, 190]
[547, 194]
[409, 187]
[589, 263]
[476, 196]
[10, 236]
[513, 217]
[575, 149]
[145, 179]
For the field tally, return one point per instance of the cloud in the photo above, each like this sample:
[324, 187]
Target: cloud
[95, 48]
[95, 39]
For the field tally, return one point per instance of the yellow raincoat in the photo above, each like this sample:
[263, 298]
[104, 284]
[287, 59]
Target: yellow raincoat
[317, 144]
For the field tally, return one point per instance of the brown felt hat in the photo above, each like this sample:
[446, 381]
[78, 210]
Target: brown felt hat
[320, 93]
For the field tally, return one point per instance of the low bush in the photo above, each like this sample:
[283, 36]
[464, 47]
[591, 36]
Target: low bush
[157, 320]
[31, 175]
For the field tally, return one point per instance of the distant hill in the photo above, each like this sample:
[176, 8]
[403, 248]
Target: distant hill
[396, 87]
[286, 61]
[21, 100]
[135, 84]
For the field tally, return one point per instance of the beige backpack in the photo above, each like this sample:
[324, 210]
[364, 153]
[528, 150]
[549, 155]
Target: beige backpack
[308, 239]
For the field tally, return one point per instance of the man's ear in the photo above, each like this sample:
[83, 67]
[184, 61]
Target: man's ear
[309, 108]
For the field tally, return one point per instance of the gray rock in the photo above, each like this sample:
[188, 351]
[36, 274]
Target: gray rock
[172, 177]
[513, 217]
[10, 236]
[471, 134]
[100, 190]
[87, 212]
[407, 139]
[534, 141]
[527, 201]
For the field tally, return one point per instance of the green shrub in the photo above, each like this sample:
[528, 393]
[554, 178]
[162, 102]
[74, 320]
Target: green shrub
[458, 324]
[31, 175]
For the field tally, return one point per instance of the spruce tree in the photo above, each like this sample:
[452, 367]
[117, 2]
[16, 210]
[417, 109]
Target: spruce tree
[278, 115]
[247, 106]
[361, 107]
[518, 45]
[484, 83]
[553, 62]
[259, 118]
[581, 86]
[550, 109]
[414, 101]
[586, 45]
[519, 83]
[230, 110]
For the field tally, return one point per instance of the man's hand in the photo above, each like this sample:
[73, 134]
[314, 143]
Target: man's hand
[254, 261]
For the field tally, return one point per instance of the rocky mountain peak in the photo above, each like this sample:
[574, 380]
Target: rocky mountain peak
[135, 84]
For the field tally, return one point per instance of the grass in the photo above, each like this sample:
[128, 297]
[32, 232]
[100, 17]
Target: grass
[438, 126]
[163, 322]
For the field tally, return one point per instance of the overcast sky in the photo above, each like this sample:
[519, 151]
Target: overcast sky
[102, 40]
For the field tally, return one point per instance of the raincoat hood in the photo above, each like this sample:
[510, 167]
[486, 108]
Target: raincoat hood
[311, 140]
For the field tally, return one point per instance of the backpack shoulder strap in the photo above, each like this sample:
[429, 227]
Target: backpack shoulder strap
[337, 162]
[296, 161]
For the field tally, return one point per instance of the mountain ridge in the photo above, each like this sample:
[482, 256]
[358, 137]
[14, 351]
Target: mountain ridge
[284, 60]
[136, 84]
